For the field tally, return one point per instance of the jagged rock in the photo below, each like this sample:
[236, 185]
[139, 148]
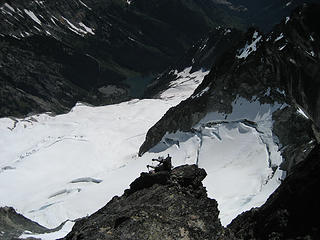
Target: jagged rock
[291, 212]
[172, 205]
[281, 68]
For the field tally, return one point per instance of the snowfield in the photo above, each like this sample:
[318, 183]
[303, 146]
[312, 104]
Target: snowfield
[59, 168]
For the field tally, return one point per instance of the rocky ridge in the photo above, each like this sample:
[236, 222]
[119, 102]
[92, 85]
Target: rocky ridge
[174, 206]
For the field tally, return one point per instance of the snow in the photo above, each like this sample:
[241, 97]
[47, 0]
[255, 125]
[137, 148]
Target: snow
[282, 47]
[9, 7]
[240, 159]
[249, 48]
[278, 38]
[32, 16]
[227, 31]
[58, 168]
[73, 28]
[87, 29]
[83, 4]
[287, 20]
[77, 30]
[201, 93]
[184, 85]
[302, 113]
[67, 227]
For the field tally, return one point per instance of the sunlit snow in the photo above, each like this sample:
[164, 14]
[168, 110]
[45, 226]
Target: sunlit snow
[58, 168]
[241, 160]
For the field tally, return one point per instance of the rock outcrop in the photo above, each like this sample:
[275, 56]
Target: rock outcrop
[12, 224]
[163, 205]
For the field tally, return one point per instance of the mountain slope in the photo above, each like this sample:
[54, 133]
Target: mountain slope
[270, 70]
[57, 53]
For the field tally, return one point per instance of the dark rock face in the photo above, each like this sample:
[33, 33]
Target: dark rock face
[291, 212]
[175, 206]
[279, 68]
[12, 224]
[55, 53]
[201, 55]
[264, 13]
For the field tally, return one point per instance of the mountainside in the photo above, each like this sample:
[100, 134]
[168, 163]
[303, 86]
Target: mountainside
[263, 14]
[272, 74]
[239, 117]
[200, 56]
[54, 54]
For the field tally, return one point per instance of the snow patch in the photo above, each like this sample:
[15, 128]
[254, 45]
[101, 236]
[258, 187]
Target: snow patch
[278, 38]
[32, 16]
[249, 48]
[9, 7]
[302, 113]
[287, 20]
[83, 4]
[184, 85]
[87, 29]
[67, 227]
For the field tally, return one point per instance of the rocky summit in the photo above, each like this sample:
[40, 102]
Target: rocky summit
[174, 206]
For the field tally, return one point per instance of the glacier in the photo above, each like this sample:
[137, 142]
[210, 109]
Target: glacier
[56, 169]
